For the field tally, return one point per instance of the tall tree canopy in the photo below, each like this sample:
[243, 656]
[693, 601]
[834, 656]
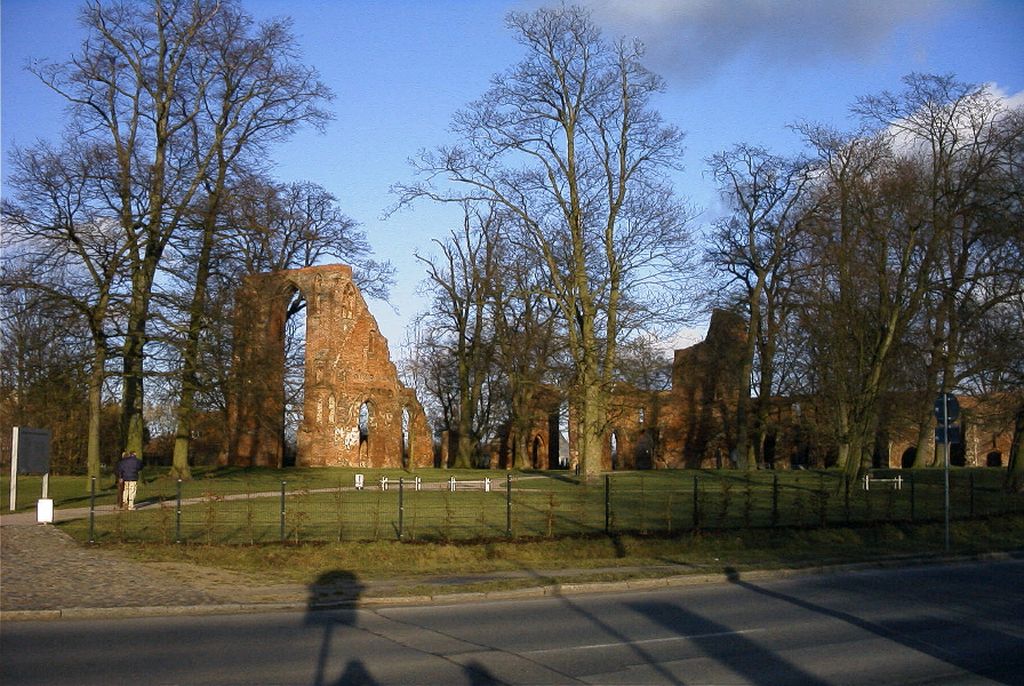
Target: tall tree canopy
[568, 143]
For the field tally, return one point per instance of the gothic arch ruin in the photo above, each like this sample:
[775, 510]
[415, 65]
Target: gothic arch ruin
[348, 368]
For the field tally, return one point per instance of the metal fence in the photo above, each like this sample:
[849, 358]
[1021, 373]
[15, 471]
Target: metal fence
[542, 506]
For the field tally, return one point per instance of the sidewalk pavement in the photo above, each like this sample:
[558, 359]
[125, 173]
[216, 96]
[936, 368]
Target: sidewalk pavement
[45, 574]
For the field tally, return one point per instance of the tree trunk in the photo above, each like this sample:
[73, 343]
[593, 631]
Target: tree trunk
[1015, 465]
[592, 425]
[180, 467]
[132, 405]
[95, 413]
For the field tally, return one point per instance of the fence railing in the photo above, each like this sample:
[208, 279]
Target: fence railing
[535, 506]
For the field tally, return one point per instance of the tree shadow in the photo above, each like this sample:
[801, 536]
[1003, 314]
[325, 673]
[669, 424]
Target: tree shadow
[720, 642]
[726, 646]
[900, 632]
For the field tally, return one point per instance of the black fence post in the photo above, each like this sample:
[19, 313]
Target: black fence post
[92, 510]
[401, 507]
[971, 485]
[508, 504]
[283, 483]
[607, 503]
[846, 496]
[775, 499]
[913, 498]
[177, 515]
[696, 504]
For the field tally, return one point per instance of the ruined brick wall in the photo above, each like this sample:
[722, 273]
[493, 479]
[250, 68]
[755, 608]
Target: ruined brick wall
[700, 428]
[356, 411]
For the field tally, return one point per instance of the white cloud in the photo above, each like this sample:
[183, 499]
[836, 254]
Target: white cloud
[692, 39]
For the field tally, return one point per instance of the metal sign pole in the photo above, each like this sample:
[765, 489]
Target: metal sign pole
[945, 429]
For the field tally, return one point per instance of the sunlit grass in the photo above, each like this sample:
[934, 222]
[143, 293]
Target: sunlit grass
[256, 506]
[592, 558]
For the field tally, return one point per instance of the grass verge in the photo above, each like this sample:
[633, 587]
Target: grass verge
[395, 568]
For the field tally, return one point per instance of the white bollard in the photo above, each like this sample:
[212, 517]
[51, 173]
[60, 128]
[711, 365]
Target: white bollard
[418, 484]
[383, 483]
[44, 511]
[451, 484]
[487, 485]
[359, 482]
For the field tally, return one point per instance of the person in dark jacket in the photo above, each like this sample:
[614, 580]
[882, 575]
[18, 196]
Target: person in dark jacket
[128, 469]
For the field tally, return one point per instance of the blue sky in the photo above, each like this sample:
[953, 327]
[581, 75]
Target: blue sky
[735, 70]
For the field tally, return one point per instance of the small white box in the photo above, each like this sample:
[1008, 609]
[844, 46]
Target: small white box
[44, 511]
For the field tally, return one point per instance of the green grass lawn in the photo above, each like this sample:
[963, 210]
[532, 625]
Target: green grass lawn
[590, 558]
[624, 525]
[244, 506]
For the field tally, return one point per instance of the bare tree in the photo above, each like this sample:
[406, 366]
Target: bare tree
[252, 92]
[529, 343]
[871, 257]
[45, 374]
[462, 277]
[756, 247]
[961, 139]
[61, 244]
[567, 141]
[129, 89]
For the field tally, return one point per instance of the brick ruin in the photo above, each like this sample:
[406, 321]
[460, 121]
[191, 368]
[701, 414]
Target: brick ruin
[356, 411]
[692, 425]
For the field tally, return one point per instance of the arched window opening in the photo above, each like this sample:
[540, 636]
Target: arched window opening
[406, 420]
[644, 455]
[909, 455]
[294, 373]
[770, 446]
[994, 459]
[364, 422]
[615, 449]
[562, 439]
[535, 448]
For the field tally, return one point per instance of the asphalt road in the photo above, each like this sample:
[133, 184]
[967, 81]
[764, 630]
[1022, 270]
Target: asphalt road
[956, 624]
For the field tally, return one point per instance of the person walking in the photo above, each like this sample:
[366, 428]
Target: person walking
[128, 469]
[119, 482]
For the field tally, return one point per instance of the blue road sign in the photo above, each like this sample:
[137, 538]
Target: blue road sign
[946, 406]
[953, 433]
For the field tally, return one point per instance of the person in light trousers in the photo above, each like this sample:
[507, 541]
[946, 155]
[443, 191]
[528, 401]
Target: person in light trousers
[128, 469]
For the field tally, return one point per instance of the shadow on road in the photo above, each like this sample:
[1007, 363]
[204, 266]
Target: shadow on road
[332, 606]
[727, 647]
[902, 631]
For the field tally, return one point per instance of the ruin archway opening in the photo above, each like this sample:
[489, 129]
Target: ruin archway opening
[294, 376]
[770, 446]
[614, 445]
[563, 436]
[908, 457]
[365, 425]
[994, 459]
[406, 440]
[643, 457]
[536, 447]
